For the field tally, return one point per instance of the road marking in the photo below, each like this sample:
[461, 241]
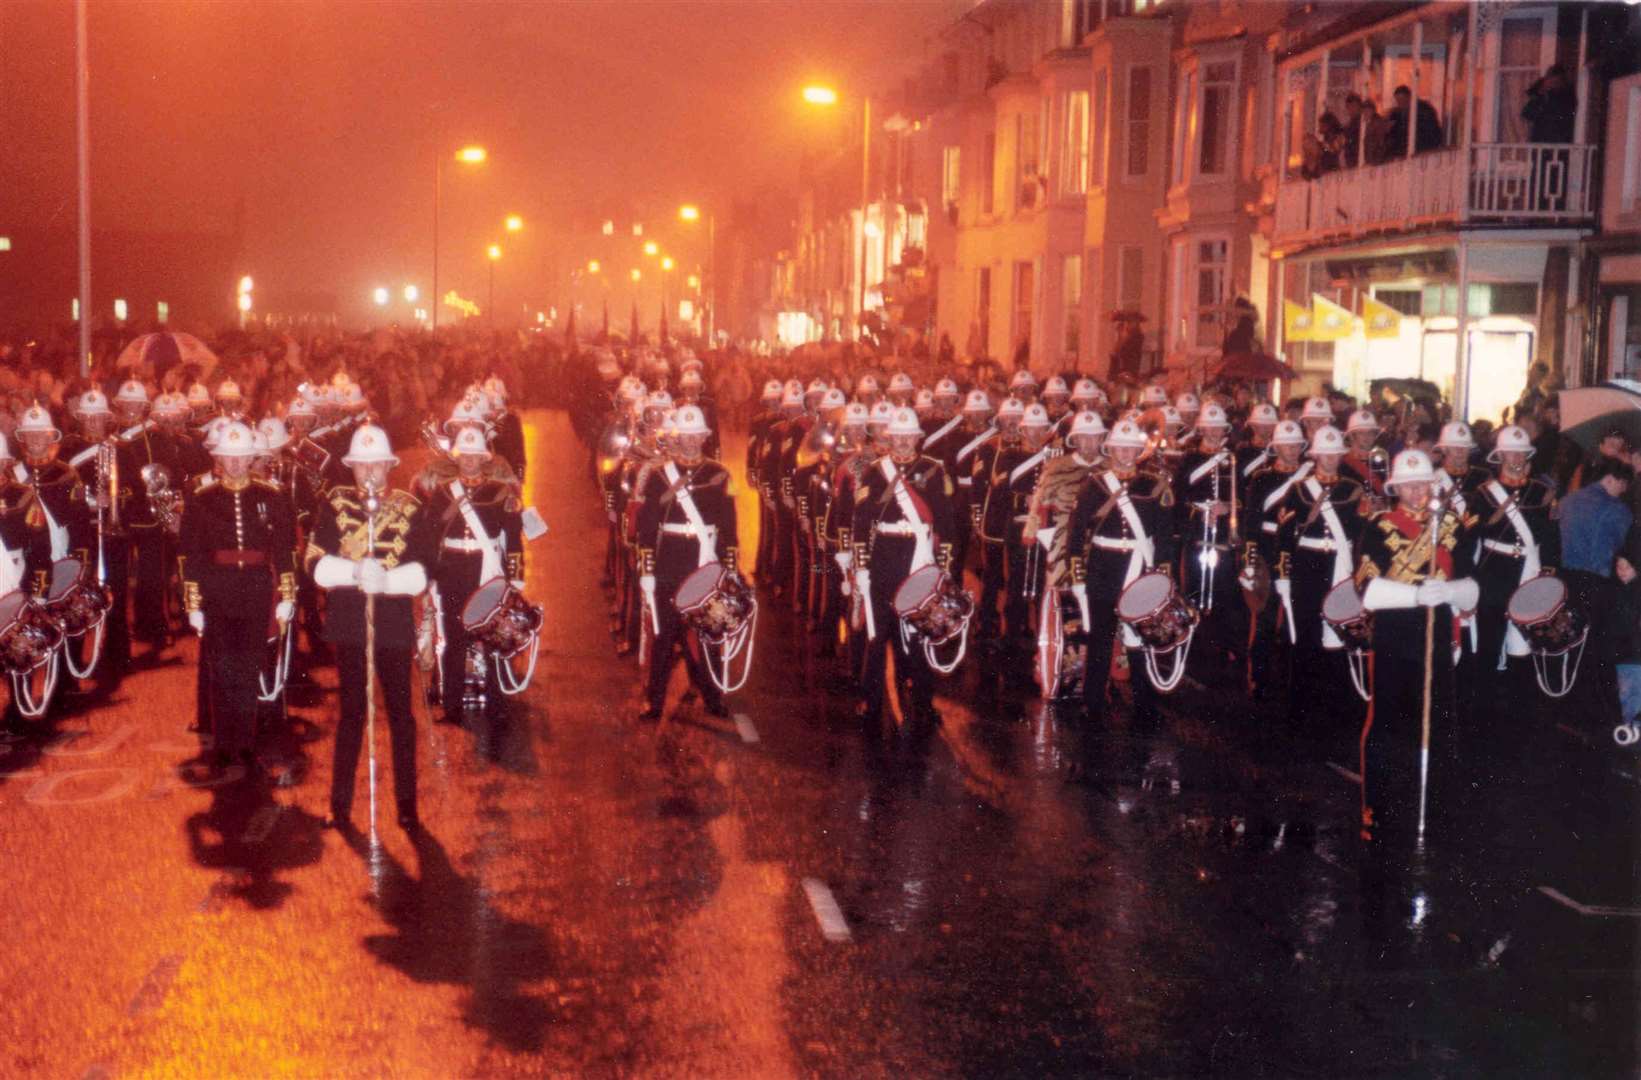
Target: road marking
[1588, 910]
[743, 724]
[44, 791]
[825, 906]
[151, 994]
[61, 745]
[1355, 778]
[261, 824]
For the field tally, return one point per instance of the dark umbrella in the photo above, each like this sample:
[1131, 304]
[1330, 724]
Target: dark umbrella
[1591, 413]
[1259, 367]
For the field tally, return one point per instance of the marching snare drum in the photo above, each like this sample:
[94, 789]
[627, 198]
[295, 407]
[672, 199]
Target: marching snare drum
[715, 600]
[77, 604]
[934, 605]
[1342, 609]
[27, 636]
[1551, 625]
[1156, 612]
[500, 619]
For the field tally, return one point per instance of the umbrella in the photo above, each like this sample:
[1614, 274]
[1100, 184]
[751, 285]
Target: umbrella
[164, 351]
[1256, 366]
[1592, 412]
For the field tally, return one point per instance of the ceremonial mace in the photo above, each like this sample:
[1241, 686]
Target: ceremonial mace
[1435, 507]
[373, 503]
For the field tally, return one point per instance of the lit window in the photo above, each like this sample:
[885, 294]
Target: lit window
[162, 311]
[1218, 101]
[950, 175]
[1074, 145]
[1096, 149]
[5, 243]
[120, 310]
[74, 307]
[1213, 280]
[1071, 293]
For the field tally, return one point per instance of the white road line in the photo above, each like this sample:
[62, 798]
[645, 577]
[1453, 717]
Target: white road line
[261, 824]
[1355, 778]
[827, 913]
[1587, 910]
[743, 724]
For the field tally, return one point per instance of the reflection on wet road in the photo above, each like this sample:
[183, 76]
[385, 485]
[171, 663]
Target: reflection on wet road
[783, 893]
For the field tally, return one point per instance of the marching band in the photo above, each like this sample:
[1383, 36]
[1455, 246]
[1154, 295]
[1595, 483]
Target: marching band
[1086, 546]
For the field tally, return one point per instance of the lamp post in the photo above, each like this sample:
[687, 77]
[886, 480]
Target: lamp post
[691, 213]
[467, 155]
[825, 97]
[494, 252]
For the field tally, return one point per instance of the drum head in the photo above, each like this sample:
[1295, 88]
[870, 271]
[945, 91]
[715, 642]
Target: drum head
[1537, 600]
[701, 583]
[64, 573]
[1146, 595]
[915, 591]
[1342, 604]
[11, 606]
[484, 602]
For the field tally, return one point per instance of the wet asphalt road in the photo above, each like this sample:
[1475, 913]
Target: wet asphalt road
[787, 894]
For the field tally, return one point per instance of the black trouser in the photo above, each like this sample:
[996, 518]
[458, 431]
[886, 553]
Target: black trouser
[458, 578]
[393, 671]
[116, 656]
[784, 555]
[1222, 636]
[1106, 571]
[235, 649]
[993, 573]
[151, 622]
[891, 561]
[763, 567]
[1022, 582]
[1265, 630]
[674, 635]
[1313, 672]
[1392, 736]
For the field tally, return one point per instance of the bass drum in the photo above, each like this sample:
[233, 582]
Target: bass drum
[1342, 609]
[934, 605]
[1555, 629]
[500, 619]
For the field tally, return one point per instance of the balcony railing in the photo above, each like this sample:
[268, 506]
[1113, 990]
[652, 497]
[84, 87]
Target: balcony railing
[1496, 183]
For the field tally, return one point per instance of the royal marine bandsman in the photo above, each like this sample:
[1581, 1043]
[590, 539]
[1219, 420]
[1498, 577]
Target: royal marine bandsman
[477, 521]
[57, 519]
[369, 551]
[237, 562]
[685, 520]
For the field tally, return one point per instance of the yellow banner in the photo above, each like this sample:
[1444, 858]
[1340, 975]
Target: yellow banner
[1296, 322]
[1380, 320]
[1330, 322]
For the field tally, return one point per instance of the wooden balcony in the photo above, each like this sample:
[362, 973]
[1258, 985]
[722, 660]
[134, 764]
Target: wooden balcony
[1518, 184]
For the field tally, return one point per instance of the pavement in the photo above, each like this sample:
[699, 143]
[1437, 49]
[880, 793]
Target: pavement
[783, 893]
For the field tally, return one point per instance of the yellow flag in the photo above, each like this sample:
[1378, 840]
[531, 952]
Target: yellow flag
[1330, 321]
[1296, 322]
[1379, 319]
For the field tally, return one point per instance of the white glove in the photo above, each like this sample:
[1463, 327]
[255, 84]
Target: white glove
[844, 559]
[863, 582]
[334, 572]
[283, 611]
[647, 584]
[1383, 594]
[372, 576]
[1283, 587]
[406, 579]
[196, 619]
[1434, 593]
[1464, 594]
[1081, 593]
[517, 583]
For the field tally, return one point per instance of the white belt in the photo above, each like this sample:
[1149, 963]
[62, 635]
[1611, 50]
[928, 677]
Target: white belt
[1317, 543]
[1268, 526]
[463, 544]
[1021, 517]
[1513, 550]
[1112, 543]
[897, 528]
[965, 481]
[678, 528]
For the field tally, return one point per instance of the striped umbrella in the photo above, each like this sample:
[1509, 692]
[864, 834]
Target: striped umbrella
[164, 351]
[1590, 413]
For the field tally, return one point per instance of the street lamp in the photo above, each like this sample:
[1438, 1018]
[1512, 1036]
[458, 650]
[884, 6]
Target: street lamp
[411, 293]
[651, 248]
[666, 262]
[494, 252]
[825, 96]
[593, 266]
[467, 155]
[691, 213]
[637, 275]
[380, 295]
[514, 223]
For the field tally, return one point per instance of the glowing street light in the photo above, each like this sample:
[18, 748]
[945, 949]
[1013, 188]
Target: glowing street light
[820, 95]
[689, 212]
[467, 155]
[245, 284]
[593, 266]
[411, 293]
[245, 302]
[471, 155]
[494, 251]
[637, 274]
[380, 295]
[826, 96]
[651, 248]
[695, 281]
[514, 223]
[666, 262]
